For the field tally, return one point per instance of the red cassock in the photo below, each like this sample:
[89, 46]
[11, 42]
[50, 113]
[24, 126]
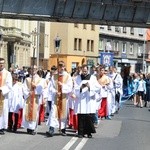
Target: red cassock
[20, 113]
[73, 120]
[102, 112]
[41, 114]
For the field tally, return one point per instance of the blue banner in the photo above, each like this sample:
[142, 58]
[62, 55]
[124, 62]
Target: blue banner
[106, 58]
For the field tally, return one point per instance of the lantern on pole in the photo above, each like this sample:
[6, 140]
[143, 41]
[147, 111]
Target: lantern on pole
[57, 44]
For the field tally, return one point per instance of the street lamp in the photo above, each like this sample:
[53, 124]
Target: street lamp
[57, 44]
[1, 42]
[34, 34]
[57, 41]
[144, 50]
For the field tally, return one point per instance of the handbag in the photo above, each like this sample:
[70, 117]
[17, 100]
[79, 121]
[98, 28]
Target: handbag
[117, 96]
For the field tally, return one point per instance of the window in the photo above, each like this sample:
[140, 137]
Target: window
[46, 40]
[92, 46]
[80, 44]
[117, 29]
[124, 29]
[76, 25]
[140, 31]
[109, 28]
[132, 30]
[108, 46]
[88, 45]
[116, 46]
[131, 48]
[101, 44]
[140, 50]
[75, 44]
[124, 47]
[102, 27]
[92, 27]
[84, 26]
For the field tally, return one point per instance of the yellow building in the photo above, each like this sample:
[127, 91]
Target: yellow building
[79, 44]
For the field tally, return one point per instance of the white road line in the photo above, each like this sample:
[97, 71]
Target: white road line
[70, 143]
[81, 144]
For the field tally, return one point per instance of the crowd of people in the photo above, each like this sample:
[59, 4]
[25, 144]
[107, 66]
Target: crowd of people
[77, 100]
[139, 89]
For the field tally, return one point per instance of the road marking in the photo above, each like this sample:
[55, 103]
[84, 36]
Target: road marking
[81, 144]
[70, 143]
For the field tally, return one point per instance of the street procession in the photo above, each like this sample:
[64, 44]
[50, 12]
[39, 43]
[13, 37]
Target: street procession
[74, 74]
[78, 100]
[61, 100]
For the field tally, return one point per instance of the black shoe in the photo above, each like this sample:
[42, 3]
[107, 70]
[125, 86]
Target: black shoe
[80, 136]
[90, 135]
[117, 112]
[2, 132]
[14, 130]
[63, 132]
[145, 105]
[28, 131]
[111, 114]
[70, 127]
[108, 118]
[49, 134]
[9, 129]
[33, 132]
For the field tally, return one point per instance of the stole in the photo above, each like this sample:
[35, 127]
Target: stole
[61, 111]
[31, 103]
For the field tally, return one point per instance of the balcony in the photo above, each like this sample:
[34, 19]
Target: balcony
[116, 53]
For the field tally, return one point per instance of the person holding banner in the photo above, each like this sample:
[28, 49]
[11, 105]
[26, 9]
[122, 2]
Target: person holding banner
[5, 88]
[33, 89]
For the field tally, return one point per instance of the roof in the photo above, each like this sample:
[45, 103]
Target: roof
[134, 13]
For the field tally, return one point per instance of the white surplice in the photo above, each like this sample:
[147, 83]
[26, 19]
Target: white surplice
[16, 100]
[86, 99]
[6, 88]
[66, 89]
[39, 91]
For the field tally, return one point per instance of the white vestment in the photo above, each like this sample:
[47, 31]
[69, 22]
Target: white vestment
[5, 88]
[39, 90]
[118, 85]
[86, 98]
[16, 100]
[52, 89]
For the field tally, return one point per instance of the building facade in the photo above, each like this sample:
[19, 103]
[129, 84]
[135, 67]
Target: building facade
[78, 45]
[128, 46]
[21, 39]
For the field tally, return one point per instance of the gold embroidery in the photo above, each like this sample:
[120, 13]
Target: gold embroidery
[61, 100]
[32, 101]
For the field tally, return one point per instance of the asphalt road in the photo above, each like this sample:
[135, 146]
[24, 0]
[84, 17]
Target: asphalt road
[128, 130]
